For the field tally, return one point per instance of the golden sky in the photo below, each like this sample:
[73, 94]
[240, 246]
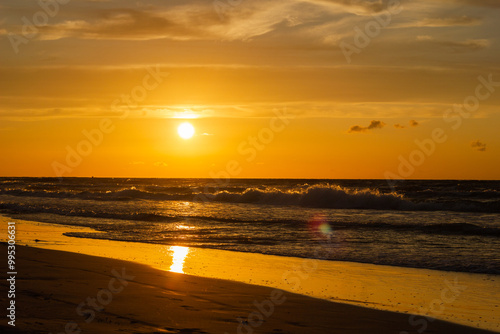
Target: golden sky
[287, 89]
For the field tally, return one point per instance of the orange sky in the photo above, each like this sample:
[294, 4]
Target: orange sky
[295, 89]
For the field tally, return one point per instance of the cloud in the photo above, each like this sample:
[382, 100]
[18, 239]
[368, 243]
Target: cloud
[424, 38]
[357, 128]
[371, 126]
[478, 146]
[468, 45]
[412, 123]
[131, 24]
[160, 164]
[457, 46]
[450, 21]
[360, 7]
[376, 125]
[312, 25]
[191, 21]
[136, 163]
[276, 66]
[479, 3]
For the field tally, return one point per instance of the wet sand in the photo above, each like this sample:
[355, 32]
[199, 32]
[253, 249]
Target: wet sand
[63, 292]
[462, 298]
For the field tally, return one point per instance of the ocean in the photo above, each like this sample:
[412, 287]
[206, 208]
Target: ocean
[443, 225]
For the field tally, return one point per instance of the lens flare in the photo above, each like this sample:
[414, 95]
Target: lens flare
[320, 227]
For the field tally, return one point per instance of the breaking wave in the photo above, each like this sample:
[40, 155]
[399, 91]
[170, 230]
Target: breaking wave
[316, 196]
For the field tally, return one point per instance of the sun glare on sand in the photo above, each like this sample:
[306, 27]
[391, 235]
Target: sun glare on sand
[186, 130]
[178, 258]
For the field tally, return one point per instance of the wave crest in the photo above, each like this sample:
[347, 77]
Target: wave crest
[319, 196]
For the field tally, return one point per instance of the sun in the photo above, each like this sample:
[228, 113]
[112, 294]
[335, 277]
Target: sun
[186, 130]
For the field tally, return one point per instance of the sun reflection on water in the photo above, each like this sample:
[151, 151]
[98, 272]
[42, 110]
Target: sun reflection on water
[178, 258]
[184, 227]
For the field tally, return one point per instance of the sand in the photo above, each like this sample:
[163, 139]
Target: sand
[462, 298]
[52, 284]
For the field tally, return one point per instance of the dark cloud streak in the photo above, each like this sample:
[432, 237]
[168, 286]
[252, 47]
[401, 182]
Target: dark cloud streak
[373, 125]
[478, 146]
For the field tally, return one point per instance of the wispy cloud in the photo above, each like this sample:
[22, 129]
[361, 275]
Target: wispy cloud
[424, 38]
[457, 46]
[134, 24]
[478, 3]
[451, 21]
[448, 21]
[468, 45]
[276, 50]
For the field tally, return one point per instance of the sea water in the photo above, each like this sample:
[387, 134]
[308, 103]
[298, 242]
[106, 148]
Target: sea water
[443, 225]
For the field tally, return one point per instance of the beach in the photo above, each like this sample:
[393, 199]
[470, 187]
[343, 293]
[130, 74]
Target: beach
[139, 299]
[152, 288]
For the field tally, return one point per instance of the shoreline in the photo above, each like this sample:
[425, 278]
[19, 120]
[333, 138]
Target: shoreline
[140, 299]
[396, 289]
